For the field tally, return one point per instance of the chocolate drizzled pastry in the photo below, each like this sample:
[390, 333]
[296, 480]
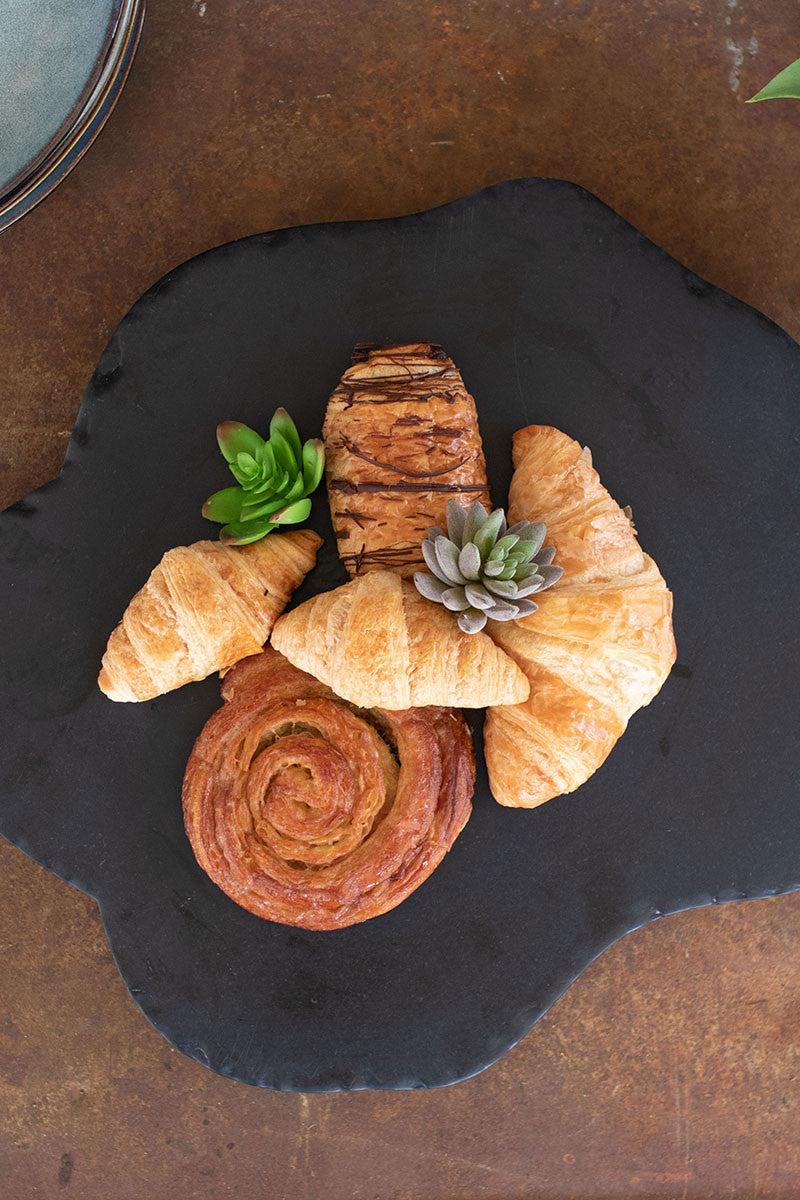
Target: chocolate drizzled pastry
[401, 439]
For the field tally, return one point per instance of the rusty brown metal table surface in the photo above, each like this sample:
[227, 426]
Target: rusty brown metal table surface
[670, 1069]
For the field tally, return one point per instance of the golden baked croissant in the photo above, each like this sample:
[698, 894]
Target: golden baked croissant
[379, 644]
[309, 813]
[401, 438]
[203, 608]
[600, 645]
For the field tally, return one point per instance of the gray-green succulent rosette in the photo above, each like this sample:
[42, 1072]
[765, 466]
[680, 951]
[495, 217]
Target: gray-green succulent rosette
[275, 478]
[481, 568]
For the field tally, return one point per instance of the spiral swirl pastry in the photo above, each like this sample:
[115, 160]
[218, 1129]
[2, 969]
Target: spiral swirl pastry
[308, 811]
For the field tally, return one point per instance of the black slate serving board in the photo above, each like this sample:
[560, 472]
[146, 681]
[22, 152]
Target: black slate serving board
[557, 312]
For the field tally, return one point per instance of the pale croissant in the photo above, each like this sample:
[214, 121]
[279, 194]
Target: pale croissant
[203, 608]
[601, 643]
[377, 643]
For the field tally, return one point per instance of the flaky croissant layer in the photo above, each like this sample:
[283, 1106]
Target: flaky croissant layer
[599, 646]
[203, 608]
[378, 643]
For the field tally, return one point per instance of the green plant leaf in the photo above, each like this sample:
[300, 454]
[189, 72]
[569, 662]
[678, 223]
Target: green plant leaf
[296, 491]
[484, 539]
[263, 490]
[267, 458]
[224, 506]
[507, 543]
[239, 533]
[313, 464]
[283, 452]
[525, 550]
[234, 438]
[283, 424]
[506, 588]
[293, 513]
[785, 85]
[280, 483]
[263, 508]
[476, 516]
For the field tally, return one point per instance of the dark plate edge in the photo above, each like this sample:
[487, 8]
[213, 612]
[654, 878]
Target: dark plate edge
[634, 920]
[528, 1016]
[276, 237]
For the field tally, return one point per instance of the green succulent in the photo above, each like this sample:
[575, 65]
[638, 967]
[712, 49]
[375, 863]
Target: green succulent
[274, 477]
[482, 569]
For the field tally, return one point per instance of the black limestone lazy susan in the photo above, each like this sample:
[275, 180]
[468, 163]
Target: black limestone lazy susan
[557, 312]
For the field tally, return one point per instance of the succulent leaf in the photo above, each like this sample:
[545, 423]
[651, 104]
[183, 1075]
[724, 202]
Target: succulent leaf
[429, 586]
[447, 556]
[475, 518]
[536, 533]
[285, 428]
[284, 457]
[505, 588]
[478, 596]
[313, 464]
[224, 506]
[471, 621]
[551, 575]
[486, 536]
[293, 513]
[456, 522]
[524, 551]
[546, 556]
[455, 599]
[252, 511]
[239, 533]
[493, 569]
[501, 610]
[469, 561]
[505, 544]
[528, 589]
[429, 554]
[297, 490]
[235, 438]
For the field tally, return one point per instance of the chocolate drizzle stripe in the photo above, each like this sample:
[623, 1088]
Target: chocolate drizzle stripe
[349, 489]
[395, 556]
[396, 390]
[351, 446]
[359, 518]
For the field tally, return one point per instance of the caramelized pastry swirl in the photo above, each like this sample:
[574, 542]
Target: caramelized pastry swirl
[310, 812]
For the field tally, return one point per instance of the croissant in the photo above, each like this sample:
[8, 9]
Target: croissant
[600, 644]
[310, 813]
[203, 608]
[401, 438]
[378, 643]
